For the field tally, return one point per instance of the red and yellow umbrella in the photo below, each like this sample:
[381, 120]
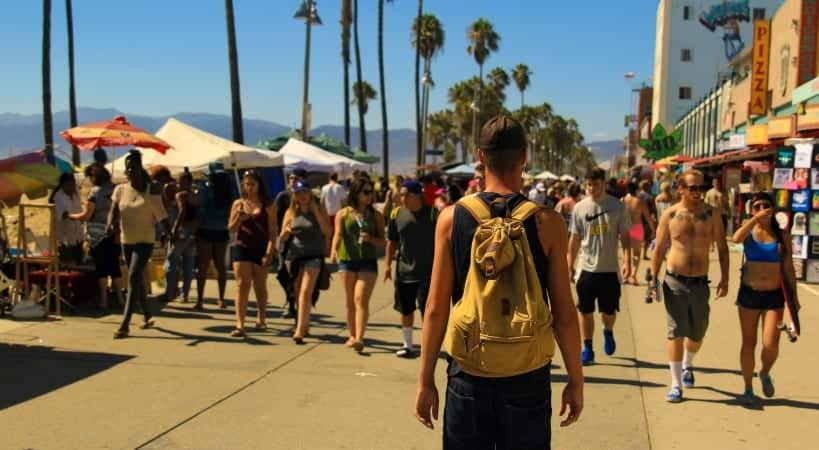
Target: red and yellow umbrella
[114, 133]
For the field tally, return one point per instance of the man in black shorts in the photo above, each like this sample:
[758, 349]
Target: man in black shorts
[598, 222]
[411, 235]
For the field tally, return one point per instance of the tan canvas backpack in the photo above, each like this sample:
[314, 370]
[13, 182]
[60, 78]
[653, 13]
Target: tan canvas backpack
[501, 326]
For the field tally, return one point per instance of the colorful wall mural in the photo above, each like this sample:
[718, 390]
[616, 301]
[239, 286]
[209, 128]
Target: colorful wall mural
[728, 15]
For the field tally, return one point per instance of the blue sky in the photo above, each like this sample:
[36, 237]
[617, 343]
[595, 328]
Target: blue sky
[160, 57]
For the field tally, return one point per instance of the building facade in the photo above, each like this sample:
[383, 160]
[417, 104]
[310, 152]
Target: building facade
[695, 41]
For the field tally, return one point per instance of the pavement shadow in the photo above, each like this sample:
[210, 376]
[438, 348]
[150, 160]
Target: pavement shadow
[733, 398]
[561, 378]
[640, 364]
[196, 339]
[38, 370]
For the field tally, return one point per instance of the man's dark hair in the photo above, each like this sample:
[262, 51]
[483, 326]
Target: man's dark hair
[100, 175]
[301, 173]
[597, 174]
[502, 141]
[574, 190]
[632, 188]
[334, 176]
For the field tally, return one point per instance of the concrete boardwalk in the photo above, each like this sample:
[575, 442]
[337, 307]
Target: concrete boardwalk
[188, 385]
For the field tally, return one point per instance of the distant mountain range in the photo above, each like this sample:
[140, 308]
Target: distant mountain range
[21, 133]
[605, 150]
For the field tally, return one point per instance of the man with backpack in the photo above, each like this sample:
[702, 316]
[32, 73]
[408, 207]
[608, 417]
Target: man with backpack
[411, 233]
[511, 300]
[598, 222]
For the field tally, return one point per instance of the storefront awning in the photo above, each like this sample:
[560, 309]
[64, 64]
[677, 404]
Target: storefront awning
[737, 155]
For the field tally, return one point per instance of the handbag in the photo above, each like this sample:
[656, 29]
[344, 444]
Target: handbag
[323, 282]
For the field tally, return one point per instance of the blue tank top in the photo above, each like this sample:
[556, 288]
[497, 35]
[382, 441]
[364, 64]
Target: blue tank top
[761, 251]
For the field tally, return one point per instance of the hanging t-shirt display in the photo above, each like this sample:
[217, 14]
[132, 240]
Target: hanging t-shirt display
[796, 199]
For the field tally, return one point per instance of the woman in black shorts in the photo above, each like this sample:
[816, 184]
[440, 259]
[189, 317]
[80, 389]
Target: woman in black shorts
[768, 270]
[254, 218]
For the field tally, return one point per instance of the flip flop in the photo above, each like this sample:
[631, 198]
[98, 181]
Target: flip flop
[237, 332]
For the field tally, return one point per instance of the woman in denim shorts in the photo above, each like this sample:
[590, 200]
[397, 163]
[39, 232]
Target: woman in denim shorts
[359, 231]
[309, 227]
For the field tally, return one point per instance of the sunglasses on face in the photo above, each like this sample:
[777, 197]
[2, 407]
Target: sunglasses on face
[760, 206]
[700, 188]
[367, 192]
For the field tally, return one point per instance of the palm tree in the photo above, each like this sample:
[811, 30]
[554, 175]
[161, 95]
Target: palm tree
[346, 23]
[233, 61]
[363, 92]
[428, 39]
[48, 119]
[362, 137]
[72, 94]
[418, 144]
[499, 79]
[521, 75]
[385, 141]
[483, 40]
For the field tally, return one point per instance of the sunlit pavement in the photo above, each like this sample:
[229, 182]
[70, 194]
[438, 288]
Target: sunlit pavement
[186, 384]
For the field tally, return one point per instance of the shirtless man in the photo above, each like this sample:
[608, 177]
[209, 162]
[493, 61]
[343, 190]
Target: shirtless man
[691, 226]
[639, 213]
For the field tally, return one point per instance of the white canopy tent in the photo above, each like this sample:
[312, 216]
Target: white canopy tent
[298, 162]
[196, 149]
[567, 177]
[546, 175]
[341, 164]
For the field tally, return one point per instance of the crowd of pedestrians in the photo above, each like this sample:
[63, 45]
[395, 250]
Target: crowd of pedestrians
[443, 242]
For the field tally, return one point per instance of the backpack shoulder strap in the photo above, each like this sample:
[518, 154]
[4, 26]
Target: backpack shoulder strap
[525, 209]
[476, 207]
[394, 212]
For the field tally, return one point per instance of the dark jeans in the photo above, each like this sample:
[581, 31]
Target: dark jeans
[136, 256]
[498, 413]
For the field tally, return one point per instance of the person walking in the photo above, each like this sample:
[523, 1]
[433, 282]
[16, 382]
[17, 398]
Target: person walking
[212, 236]
[566, 205]
[767, 276]
[136, 207]
[181, 243]
[599, 222]
[506, 411]
[393, 199]
[664, 199]
[332, 199]
[253, 218]
[105, 248]
[411, 237]
[282, 204]
[645, 196]
[690, 227]
[309, 228]
[359, 230]
[638, 213]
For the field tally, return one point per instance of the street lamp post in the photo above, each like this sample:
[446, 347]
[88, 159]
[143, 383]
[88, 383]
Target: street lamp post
[309, 14]
[428, 83]
[475, 110]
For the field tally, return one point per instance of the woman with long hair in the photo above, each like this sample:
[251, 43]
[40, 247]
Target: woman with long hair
[212, 236]
[137, 210]
[66, 201]
[180, 246]
[767, 276]
[104, 247]
[253, 217]
[309, 227]
[359, 230]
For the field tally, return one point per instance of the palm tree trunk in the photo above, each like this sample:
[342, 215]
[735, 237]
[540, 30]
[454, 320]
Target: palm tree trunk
[385, 145]
[362, 132]
[345, 57]
[48, 119]
[233, 61]
[522, 104]
[425, 111]
[418, 144]
[72, 93]
[305, 99]
[347, 104]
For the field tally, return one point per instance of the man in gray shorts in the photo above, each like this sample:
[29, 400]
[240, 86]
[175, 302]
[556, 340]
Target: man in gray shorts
[690, 226]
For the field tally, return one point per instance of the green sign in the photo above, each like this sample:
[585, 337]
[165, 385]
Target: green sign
[661, 145]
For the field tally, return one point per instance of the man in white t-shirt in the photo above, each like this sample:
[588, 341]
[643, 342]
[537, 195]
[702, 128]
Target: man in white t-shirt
[333, 196]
